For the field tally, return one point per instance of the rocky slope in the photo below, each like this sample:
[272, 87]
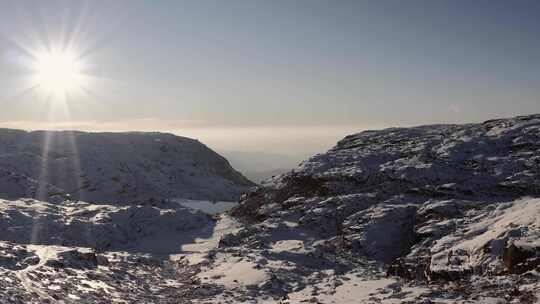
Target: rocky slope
[113, 167]
[121, 247]
[75, 252]
[431, 214]
[434, 214]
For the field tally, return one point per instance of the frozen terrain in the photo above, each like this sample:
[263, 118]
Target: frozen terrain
[75, 252]
[433, 214]
[113, 167]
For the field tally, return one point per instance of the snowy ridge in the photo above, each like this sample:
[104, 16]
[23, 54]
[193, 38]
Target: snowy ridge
[417, 213]
[116, 167]
[498, 157]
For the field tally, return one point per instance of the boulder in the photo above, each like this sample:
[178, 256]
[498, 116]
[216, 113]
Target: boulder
[74, 259]
[382, 232]
[520, 259]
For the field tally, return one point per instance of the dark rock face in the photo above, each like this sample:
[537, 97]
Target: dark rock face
[383, 233]
[519, 259]
[74, 259]
[114, 167]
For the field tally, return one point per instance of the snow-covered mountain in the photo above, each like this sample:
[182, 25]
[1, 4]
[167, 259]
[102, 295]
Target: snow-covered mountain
[433, 214]
[114, 167]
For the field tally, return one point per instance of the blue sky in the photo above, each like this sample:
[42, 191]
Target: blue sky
[276, 75]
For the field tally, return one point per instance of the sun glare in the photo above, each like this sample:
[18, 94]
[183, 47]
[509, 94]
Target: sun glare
[58, 72]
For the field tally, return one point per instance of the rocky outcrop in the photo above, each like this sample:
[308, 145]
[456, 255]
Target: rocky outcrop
[383, 233]
[75, 259]
[433, 203]
[519, 259]
[432, 214]
[497, 158]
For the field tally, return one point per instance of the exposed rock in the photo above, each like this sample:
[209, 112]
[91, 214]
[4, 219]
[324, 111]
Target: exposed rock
[432, 214]
[74, 259]
[16, 257]
[432, 204]
[520, 259]
[382, 232]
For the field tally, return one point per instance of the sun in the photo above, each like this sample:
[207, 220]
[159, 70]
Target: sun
[58, 71]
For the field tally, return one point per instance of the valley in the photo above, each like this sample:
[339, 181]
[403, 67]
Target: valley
[431, 214]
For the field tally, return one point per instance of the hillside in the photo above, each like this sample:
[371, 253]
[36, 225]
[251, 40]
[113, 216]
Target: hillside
[115, 167]
[442, 214]
[76, 252]
[431, 214]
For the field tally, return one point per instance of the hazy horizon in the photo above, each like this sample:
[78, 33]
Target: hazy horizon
[298, 142]
[270, 76]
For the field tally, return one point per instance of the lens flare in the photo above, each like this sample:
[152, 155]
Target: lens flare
[58, 72]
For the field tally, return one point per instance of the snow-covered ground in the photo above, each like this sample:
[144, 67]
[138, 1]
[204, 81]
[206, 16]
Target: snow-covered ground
[441, 214]
[433, 214]
[75, 252]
